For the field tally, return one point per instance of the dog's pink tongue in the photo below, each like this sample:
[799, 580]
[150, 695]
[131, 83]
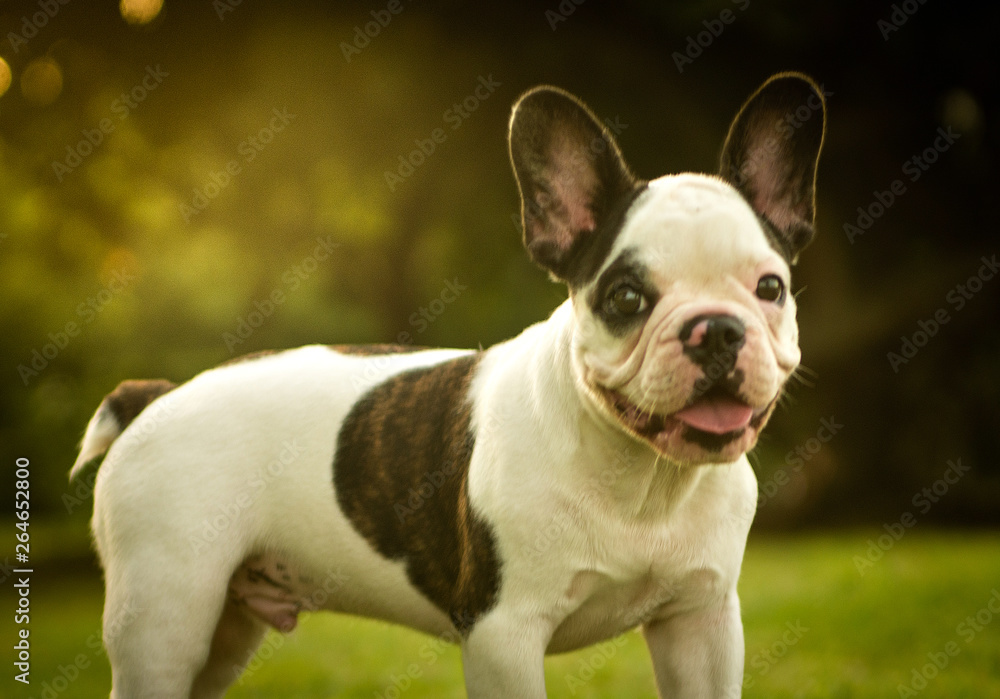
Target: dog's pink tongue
[716, 415]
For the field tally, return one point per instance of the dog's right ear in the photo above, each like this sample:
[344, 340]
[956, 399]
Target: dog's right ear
[771, 157]
[570, 173]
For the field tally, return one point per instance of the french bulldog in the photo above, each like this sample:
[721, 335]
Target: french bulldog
[587, 477]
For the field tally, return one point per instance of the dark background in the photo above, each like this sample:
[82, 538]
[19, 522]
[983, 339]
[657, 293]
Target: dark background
[323, 176]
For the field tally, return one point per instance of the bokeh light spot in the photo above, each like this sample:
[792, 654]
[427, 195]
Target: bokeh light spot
[962, 111]
[119, 261]
[42, 81]
[140, 11]
[5, 77]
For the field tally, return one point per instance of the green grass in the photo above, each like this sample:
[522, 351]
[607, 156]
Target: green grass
[858, 636]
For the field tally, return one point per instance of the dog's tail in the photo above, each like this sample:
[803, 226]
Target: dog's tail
[117, 410]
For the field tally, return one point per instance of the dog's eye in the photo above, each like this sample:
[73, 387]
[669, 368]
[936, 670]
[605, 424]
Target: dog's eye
[771, 288]
[626, 300]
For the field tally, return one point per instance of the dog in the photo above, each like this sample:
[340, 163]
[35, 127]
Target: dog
[587, 477]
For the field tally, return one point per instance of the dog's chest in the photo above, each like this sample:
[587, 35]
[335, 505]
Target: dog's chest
[613, 607]
[608, 574]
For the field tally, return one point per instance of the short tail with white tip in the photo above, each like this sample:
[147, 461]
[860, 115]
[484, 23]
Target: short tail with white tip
[117, 410]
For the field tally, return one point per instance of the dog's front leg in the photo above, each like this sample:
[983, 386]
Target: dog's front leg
[698, 653]
[503, 656]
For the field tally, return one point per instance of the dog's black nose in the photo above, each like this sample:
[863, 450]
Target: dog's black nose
[714, 339]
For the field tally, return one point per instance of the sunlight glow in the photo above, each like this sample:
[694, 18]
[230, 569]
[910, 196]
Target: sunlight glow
[140, 11]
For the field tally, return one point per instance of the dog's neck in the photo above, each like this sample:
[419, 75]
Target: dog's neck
[608, 468]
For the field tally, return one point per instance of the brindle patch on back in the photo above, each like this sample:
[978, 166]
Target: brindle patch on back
[359, 350]
[369, 350]
[401, 476]
[260, 354]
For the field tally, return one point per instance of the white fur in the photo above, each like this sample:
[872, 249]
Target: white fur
[596, 533]
[242, 465]
[706, 251]
[592, 525]
[101, 431]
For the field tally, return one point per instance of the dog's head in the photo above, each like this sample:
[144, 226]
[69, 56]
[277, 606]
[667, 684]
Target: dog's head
[685, 326]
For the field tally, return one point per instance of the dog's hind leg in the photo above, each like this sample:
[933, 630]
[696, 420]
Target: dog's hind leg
[237, 636]
[168, 629]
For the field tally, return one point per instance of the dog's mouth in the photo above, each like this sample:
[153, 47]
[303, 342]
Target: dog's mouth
[711, 419]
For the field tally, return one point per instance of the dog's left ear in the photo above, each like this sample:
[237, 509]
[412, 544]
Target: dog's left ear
[771, 155]
[570, 173]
